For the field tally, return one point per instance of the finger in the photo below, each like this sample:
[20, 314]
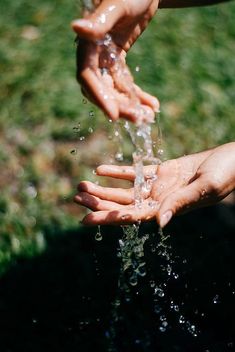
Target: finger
[118, 195]
[101, 21]
[185, 199]
[147, 99]
[137, 113]
[95, 203]
[100, 94]
[124, 172]
[124, 216]
[90, 79]
[115, 171]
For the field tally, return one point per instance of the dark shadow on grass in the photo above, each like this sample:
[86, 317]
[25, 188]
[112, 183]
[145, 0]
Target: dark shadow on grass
[61, 300]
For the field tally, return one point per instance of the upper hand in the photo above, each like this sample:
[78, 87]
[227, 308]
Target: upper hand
[105, 79]
[182, 185]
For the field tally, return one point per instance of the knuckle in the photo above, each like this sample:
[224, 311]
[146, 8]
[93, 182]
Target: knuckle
[214, 186]
[180, 205]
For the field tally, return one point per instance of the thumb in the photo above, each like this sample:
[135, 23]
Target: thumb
[101, 21]
[185, 199]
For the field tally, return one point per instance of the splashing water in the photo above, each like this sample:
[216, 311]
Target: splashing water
[132, 253]
[131, 246]
[143, 144]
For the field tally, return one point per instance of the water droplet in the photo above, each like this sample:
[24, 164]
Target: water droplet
[160, 152]
[203, 193]
[90, 130]
[84, 101]
[158, 291]
[169, 269]
[82, 138]
[176, 308]
[73, 151]
[107, 40]
[141, 270]
[112, 56]
[117, 303]
[216, 299]
[152, 204]
[98, 236]
[91, 113]
[162, 328]
[137, 69]
[181, 319]
[121, 243]
[133, 280]
[104, 71]
[119, 156]
[77, 128]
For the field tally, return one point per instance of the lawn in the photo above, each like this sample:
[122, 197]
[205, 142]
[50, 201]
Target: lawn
[49, 138]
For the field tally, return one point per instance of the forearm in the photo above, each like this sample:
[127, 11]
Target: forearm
[187, 3]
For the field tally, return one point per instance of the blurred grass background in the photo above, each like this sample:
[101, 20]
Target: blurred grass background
[49, 137]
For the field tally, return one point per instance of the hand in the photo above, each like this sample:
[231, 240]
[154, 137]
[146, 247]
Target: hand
[182, 185]
[102, 70]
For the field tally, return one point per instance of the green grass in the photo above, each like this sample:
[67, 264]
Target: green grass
[186, 58]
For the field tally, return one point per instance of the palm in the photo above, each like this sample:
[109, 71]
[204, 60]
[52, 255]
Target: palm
[182, 184]
[116, 206]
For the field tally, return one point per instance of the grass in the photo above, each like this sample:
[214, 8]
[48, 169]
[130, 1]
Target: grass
[186, 58]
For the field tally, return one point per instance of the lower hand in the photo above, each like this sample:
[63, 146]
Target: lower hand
[182, 185]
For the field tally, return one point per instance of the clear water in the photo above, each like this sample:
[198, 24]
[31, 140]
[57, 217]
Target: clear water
[131, 245]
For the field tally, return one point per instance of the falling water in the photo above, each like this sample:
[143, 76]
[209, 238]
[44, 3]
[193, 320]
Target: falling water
[131, 245]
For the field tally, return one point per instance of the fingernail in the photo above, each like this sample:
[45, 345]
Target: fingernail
[82, 23]
[156, 105]
[165, 218]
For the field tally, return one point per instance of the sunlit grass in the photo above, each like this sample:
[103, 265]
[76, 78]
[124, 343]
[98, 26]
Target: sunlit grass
[186, 58]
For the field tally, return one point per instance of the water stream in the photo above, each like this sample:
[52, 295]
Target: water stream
[131, 245]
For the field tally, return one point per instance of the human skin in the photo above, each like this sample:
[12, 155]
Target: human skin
[115, 92]
[182, 184]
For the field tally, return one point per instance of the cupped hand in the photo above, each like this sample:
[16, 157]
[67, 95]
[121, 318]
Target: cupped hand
[104, 37]
[181, 185]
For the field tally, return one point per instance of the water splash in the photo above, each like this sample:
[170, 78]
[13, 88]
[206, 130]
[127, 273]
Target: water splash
[131, 245]
[98, 236]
